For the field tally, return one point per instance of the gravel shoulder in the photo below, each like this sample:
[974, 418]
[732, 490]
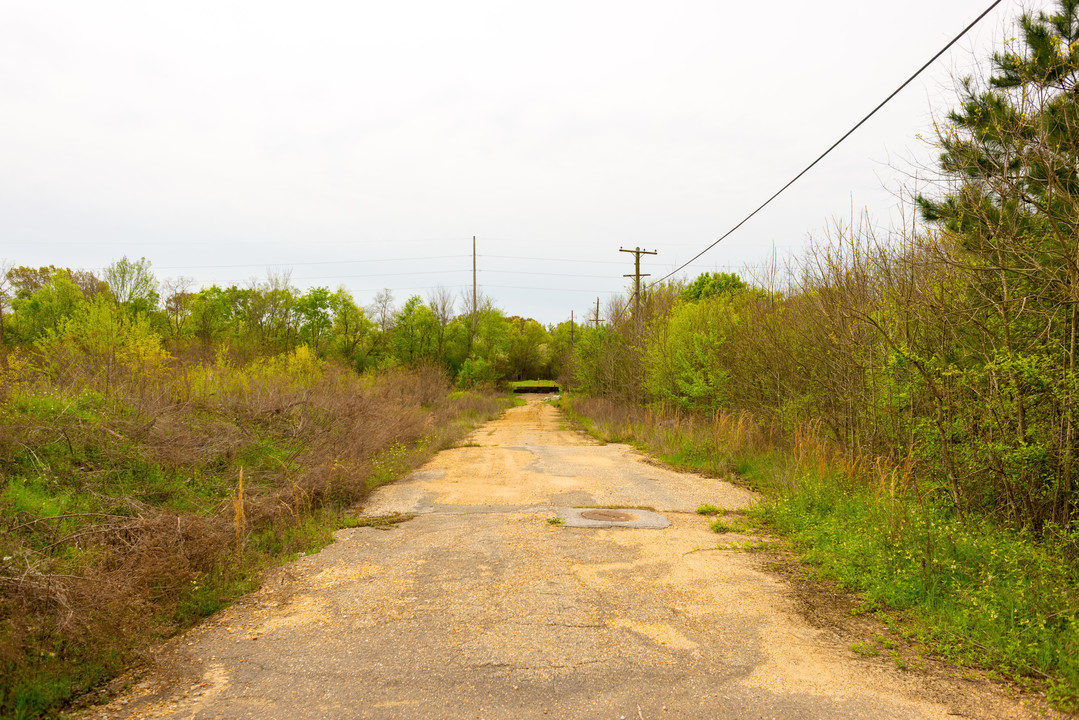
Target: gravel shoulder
[482, 606]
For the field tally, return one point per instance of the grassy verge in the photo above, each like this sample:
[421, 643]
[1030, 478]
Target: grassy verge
[148, 504]
[534, 383]
[970, 591]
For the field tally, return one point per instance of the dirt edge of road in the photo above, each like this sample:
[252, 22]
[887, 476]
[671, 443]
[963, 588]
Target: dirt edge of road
[842, 614]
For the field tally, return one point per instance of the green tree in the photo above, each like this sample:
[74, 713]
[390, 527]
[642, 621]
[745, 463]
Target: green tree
[1011, 150]
[712, 284]
[686, 365]
[6, 293]
[211, 313]
[44, 310]
[350, 328]
[415, 332]
[132, 283]
[313, 309]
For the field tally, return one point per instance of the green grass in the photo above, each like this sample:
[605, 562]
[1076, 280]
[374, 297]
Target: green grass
[721, 526]
[867, 649]
[974, 593]
[970, 591]
[535, 383]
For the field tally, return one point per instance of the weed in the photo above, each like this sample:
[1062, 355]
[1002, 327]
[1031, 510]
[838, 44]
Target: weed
[720, 526]
[556, 521]
[867, 649]
[707, 509]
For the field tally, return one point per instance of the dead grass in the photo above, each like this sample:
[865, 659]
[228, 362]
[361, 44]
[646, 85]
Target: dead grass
[711, 444]
[121, 506]
[725, 443]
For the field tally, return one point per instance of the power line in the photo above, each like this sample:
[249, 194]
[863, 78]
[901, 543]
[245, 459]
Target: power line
[519, 287]
[393, 274]
[379, 260]
[837, 142]
[450, 272]
[482, 287]
[317, 262]
[558, 260]
[531, 272]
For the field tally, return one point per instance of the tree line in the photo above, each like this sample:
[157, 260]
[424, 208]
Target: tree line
[271, 316]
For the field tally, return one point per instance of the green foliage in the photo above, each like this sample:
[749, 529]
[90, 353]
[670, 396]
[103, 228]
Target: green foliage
[1005, 590]
[42, 311]
[867, 649]
[972, 589]
[685, 357]
[102, 333]
[720, 526]
[951, 351]
[415, 333]
[709, 285]
[388, 465]
[351, 330]
[528, 350]
[476, 372]
[132, 283]
[313, 309]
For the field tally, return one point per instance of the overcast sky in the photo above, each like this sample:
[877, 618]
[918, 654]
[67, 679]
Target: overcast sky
[366, 143]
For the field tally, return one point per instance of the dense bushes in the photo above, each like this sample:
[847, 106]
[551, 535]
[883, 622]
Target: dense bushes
[917, 388]
[953, 345]
[141, 491]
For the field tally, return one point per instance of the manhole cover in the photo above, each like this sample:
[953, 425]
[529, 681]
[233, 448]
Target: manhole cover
[608, 516]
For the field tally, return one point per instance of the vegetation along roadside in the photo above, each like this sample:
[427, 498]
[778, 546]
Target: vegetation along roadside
[907, 400]
[969, 590]
[144, 492]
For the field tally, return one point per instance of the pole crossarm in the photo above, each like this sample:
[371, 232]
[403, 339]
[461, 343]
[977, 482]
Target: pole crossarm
[637, 252]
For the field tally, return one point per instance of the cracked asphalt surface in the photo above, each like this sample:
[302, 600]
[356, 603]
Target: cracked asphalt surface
[479, 607]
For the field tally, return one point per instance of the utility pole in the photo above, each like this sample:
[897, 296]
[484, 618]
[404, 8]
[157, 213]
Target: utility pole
[567, 369]
[596, 318]
[474, 308]
[637, 252]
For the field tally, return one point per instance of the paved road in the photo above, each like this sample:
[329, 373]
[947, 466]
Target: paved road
[481, 608]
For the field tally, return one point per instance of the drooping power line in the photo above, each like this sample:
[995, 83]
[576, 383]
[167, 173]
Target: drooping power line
[836, 144]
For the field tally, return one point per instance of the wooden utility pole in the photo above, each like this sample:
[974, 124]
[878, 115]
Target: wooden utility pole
[596, 319]
[637, 252]
[475, 309]
[567, 370]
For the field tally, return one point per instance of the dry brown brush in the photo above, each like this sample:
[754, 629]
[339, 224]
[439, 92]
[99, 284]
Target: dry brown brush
[122, 513]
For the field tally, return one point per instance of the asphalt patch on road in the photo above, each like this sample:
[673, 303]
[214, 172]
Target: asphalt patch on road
[612, 517]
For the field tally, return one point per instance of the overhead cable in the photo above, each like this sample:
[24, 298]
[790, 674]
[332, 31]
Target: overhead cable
[836, 143]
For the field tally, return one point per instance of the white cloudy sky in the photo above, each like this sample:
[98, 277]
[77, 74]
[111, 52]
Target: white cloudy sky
[365, 143]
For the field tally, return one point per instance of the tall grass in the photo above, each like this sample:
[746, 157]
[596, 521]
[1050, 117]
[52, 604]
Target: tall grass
[972, 591]
[145, 501]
